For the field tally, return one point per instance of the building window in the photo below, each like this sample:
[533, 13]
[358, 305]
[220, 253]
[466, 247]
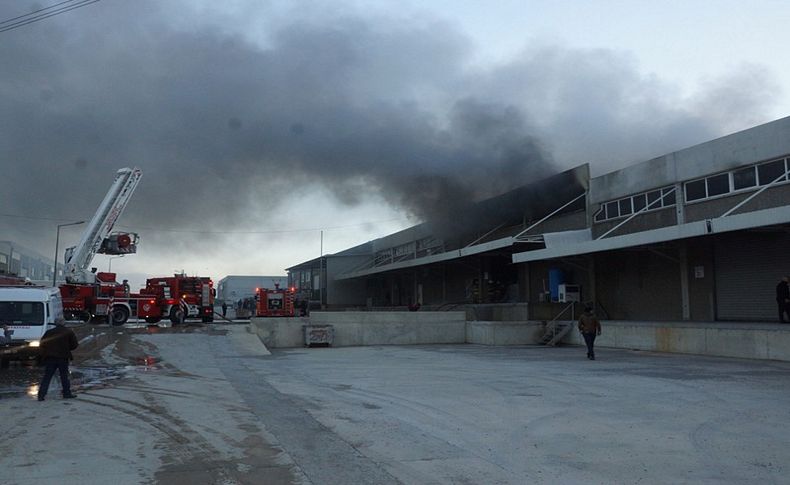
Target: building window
[718, 184]
[601, 214]
[736, 180]
[744, 178]
[768, 172]
[625, 207]
[640, 202]
[695, 190]
[630, 205]
[652, 197]
[669, 196]
[611, 210]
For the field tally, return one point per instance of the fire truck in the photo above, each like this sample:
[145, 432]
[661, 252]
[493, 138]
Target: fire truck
[13, 280]
[89, 295]
[275, 303]
[164, 297]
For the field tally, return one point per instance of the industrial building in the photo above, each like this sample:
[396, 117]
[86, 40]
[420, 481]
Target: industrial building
[233, 288]
[701, 234]
[18, 260]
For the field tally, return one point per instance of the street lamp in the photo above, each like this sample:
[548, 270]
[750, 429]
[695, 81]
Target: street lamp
[109, 266]
[57, 242]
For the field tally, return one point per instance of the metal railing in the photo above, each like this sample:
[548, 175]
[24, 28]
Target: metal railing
[551, 325]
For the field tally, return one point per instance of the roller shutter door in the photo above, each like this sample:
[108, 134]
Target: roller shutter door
[748, 267]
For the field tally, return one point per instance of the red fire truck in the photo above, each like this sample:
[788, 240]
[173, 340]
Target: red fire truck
[103, 299]
[275, 303]
[89, 295]
[163, 297]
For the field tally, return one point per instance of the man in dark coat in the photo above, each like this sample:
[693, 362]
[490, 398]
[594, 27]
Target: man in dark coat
[55, 350]
[783, 299]
[590, 327]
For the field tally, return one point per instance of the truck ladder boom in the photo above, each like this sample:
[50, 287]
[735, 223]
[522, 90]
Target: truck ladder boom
[79, 258]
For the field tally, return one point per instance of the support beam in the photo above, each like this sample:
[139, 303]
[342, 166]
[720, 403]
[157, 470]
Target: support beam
[684, 281]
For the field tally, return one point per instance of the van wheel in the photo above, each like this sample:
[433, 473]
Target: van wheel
[119, 315]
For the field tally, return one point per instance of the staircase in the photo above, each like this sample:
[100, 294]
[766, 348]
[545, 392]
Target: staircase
[557, 329]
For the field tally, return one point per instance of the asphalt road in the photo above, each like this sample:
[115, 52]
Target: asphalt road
[209, 404]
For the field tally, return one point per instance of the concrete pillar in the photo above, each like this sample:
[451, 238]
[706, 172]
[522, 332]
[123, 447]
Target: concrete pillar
[684, 280]
[680, 208]
[444, 283]
[591, 279]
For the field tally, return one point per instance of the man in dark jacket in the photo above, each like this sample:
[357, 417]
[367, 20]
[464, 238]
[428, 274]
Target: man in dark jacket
[55, 350]
[590, 327]
[783, 299]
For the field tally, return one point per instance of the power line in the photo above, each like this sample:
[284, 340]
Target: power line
[18, 216]
[43, 13]
[271, 231]
[187, 231]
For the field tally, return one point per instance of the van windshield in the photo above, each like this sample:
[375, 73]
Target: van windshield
[22, 312]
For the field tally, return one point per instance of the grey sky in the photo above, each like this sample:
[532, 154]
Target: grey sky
[282, 116]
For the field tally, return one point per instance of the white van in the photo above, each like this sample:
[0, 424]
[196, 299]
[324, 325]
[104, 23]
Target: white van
[29, 312]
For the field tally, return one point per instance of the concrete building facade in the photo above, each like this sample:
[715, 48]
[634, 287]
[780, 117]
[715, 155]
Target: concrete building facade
[18, 260]
[233, 288]
[701, 234]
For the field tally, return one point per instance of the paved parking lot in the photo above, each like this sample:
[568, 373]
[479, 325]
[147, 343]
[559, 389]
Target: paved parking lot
[206, 404]
[472, 414]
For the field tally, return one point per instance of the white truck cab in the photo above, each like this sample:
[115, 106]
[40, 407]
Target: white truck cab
[29, 312]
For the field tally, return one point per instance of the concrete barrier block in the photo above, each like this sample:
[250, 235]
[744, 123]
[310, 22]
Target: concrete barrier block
[479, 333]
[680, 339]
[448, 332]
[778, 345]
[278, 332]
[634, 337]
[517, 333]
[736, 343]
[389, 333]
[348, 334]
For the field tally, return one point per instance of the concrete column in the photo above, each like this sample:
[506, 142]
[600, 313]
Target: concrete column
[525, 291]
[591, 293]
[444, 283]
[684, 280]
[680, 208]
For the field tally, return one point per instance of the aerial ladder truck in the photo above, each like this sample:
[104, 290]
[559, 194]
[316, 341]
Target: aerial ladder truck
[87, 294]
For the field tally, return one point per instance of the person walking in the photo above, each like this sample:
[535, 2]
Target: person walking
[224, 309]
[783, 299]
[55, 350]
[590, 327]
[5, 339]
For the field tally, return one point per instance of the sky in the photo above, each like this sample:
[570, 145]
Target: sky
[270, 132]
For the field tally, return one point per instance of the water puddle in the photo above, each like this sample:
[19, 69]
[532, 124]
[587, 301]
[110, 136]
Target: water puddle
[23, 379]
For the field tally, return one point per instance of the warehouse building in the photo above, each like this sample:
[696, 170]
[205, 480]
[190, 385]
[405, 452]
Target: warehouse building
[18, 260]
[236, 287]
[701, 234]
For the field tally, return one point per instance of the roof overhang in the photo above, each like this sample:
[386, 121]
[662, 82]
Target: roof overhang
[748, 220]
[434, 258]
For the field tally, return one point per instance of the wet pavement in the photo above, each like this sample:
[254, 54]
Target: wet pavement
[209, 404]
[105, 354]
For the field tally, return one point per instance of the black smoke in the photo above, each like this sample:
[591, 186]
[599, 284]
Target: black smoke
[225, 127]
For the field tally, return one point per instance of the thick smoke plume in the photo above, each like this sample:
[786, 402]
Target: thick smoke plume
[224, 126]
